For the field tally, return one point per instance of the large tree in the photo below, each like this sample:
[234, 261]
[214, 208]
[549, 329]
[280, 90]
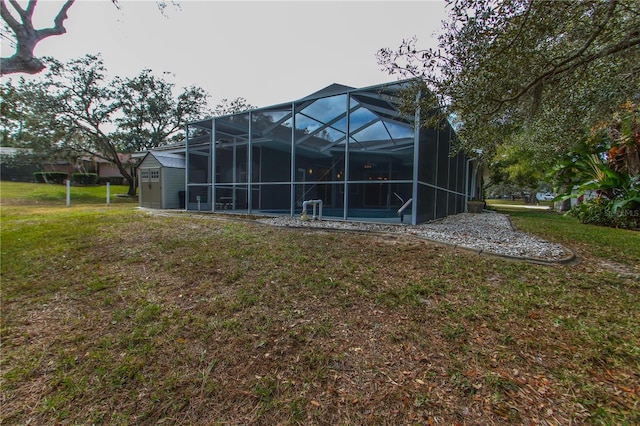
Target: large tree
[106, 118]
[151, 115]
[85, 104]
[226, 106]
[27, 121]
[539, 71]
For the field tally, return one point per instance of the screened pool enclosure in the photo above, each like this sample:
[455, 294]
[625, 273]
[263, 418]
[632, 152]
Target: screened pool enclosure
[350, 148]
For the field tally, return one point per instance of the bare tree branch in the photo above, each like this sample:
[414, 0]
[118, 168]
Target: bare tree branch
[27, 37]
[8, 17]
[58, 21]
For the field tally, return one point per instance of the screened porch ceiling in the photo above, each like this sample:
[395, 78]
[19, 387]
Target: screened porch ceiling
[375, 123]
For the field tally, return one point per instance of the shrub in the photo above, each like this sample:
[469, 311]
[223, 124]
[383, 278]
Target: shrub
[50, 177]
[601, 211]
[85, 178]
[606, 163]
[113, 180]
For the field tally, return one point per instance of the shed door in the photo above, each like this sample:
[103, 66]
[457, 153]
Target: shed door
[150, 190]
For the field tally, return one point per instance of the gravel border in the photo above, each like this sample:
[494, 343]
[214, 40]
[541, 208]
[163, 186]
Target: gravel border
[486, 233]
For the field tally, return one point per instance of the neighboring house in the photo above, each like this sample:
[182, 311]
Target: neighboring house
[63, 166]
[351, 148]
[12, 167]
[15, 169]
[161, 180]
[108, 170]
[92, 164]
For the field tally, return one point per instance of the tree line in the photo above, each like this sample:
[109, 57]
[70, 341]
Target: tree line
[539, 90]
[76, 110]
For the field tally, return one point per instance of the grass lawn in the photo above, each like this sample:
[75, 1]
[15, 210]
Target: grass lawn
[111, 315]
[518, 202]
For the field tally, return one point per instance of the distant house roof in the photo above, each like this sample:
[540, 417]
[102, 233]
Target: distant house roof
[124, 159]
[167, 159]
[8, 151]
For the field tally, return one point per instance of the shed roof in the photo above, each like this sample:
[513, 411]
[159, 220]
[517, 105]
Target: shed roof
[167, 159]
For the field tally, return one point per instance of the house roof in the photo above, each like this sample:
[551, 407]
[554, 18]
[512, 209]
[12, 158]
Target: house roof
[8, 151]
[125, 158]
[388, 90]
[332, 89]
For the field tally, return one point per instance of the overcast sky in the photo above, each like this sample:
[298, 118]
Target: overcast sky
[267, 52]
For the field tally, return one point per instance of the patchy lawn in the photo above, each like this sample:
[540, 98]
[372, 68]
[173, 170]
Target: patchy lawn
[113, 316]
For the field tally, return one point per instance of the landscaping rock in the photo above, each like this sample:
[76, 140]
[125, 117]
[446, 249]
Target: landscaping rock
[487, 232]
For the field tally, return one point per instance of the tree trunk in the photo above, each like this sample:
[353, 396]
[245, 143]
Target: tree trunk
[633, 159]
[524, 197]
[115, 159]
[130, 179]
[132, 187]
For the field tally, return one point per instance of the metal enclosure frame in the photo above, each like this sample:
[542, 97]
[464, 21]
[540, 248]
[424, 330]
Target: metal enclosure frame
[353, 148]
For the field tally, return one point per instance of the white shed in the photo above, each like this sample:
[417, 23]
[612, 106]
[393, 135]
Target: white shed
[161, 178]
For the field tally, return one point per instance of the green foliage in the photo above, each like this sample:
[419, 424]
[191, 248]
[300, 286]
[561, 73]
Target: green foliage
[85, 105]
[76, 110]
[606, 212]
[151, 115]
[617, 196]
[605, 166]
[50, 177]
[113, 180]
[226, 106]
[28, 121]
[545, 69]
[85, 178]
[587, 173]
[9, 111]
[515, 167]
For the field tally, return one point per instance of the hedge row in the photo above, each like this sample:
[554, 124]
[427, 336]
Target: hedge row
[50, 177]
[80, 178]
[113, 180]
[85, 178]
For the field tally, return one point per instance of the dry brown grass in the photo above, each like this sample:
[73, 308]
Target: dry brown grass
[128, 318]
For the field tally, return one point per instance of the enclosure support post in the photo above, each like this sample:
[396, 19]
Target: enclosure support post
[250, 164]
[293, 160]
[213, 164]
[108, 193]
[416, 161]
[345, 201]
[68, 193]
[186, 168]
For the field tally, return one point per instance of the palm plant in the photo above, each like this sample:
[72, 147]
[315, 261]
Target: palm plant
[605, 169]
